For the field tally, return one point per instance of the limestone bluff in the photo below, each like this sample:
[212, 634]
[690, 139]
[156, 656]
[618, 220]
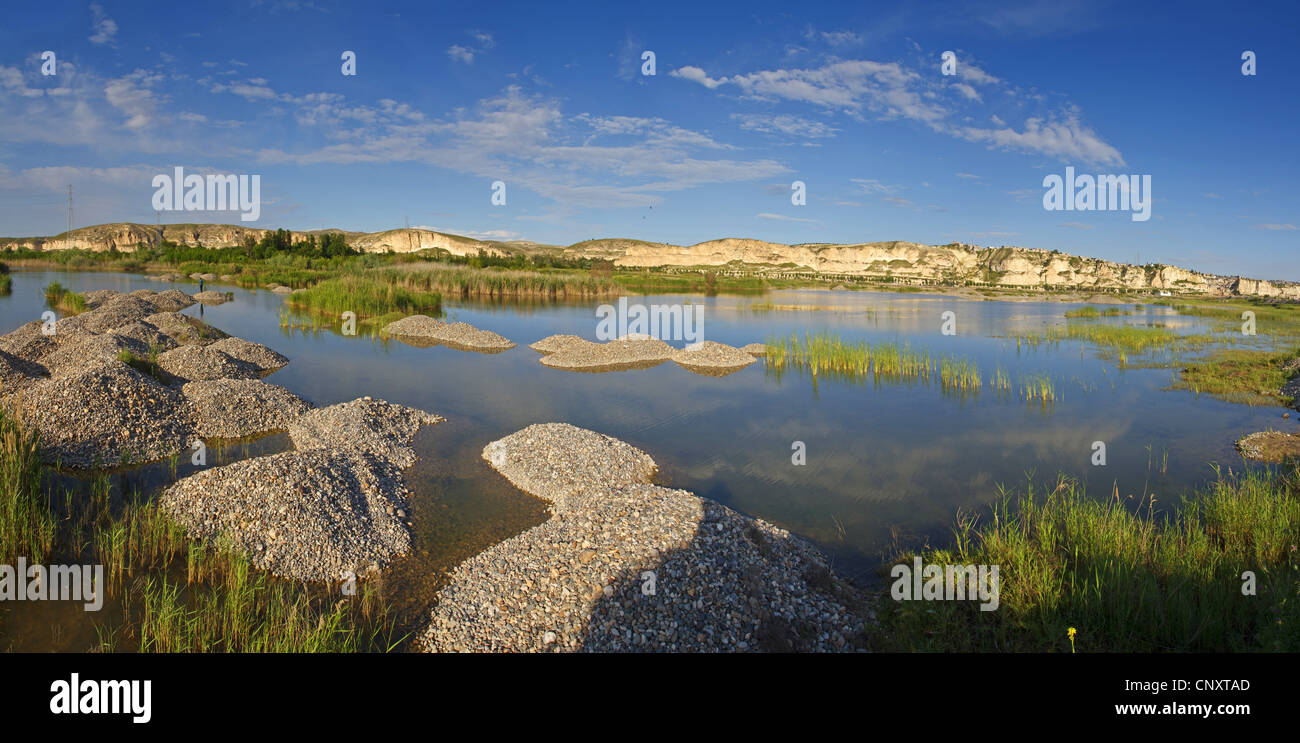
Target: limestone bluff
[899, 261]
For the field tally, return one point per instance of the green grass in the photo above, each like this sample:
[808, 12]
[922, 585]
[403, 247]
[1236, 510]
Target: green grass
[1252, 377]
[1128, 579]
[61, 298]
[368, 296]
[1092, 311]
[147, 365]
[174, 594]
[465, 281]
[6, 284]
[26, 526]
[1120, 339]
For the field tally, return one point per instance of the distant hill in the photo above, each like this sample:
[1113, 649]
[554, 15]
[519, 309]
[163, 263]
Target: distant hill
[904, 262]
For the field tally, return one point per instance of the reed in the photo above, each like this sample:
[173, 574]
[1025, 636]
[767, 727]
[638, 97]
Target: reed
[1128, 577]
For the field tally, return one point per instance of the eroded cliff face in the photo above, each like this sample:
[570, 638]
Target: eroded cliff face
[898, 261]
[125, 236]
[944, 264]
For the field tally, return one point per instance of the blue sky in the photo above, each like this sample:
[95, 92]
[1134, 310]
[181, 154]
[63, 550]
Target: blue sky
[747, 98]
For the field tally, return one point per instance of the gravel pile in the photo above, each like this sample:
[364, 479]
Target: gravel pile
[115, 312]
[172, 300]
[184, 329]
[710, 355]
[96, 298]
[199, 363]
[76, 352]
[1291, 388]
[306, 515]
[234, 408]
[17, 374]
[210, 297]
[553, 343]
[636, 567]
[27, 342]
[457, 334]
[626, 353]
[554, 461]
[262, 357]
[374, 426]
[91, 418]
[283, 290]
[147, 334]
[755, 349]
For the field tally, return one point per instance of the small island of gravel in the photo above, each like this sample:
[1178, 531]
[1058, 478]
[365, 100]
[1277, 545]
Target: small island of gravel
[423, 331]
[625, 565]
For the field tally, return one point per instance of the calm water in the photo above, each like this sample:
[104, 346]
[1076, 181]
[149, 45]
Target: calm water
[886, 465]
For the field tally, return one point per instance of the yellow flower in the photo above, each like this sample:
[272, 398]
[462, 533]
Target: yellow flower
[1070, 633]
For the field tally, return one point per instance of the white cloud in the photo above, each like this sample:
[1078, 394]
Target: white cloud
[794, 126]
[782, 218]
[460, 54]
[105, 27]
[889, 90]
[1281, 227]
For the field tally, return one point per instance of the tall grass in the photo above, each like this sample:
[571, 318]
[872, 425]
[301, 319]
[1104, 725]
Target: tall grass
[1117, 338]
[1129, 579]
[367, 295]
[465, 281]
[60, 297]
[26, 525]
[823, 354]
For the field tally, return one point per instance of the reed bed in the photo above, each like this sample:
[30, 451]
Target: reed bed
[826, 355]
[1127, 577]
[367, 295]
[465, 281]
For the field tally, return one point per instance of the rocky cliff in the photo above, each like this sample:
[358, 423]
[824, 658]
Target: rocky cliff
[900, 261]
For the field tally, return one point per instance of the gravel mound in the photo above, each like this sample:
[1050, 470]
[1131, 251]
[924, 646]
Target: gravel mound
[755, 349]
[306, 515]
[626, 353]
[147, 334]
[554, 461]
[553, 343]
[283, 290]
[27, 342]
[211, 297]
[115, 312]
[90, 418]
[1269, 446]
[711, 355]
[456, 334]
[17, 374]
[637, 567]
[76, 352]
[184, 329]
[200, 363]
[95, 299]
[172, 300]
[256, 354]
[374, 426]
[234, 408]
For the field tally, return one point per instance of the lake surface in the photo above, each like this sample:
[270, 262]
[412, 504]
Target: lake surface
[888, 465]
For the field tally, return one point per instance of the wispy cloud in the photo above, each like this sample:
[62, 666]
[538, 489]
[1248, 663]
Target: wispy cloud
[1275, 227]
[782, 217]
[893, 90]
[105, 28]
